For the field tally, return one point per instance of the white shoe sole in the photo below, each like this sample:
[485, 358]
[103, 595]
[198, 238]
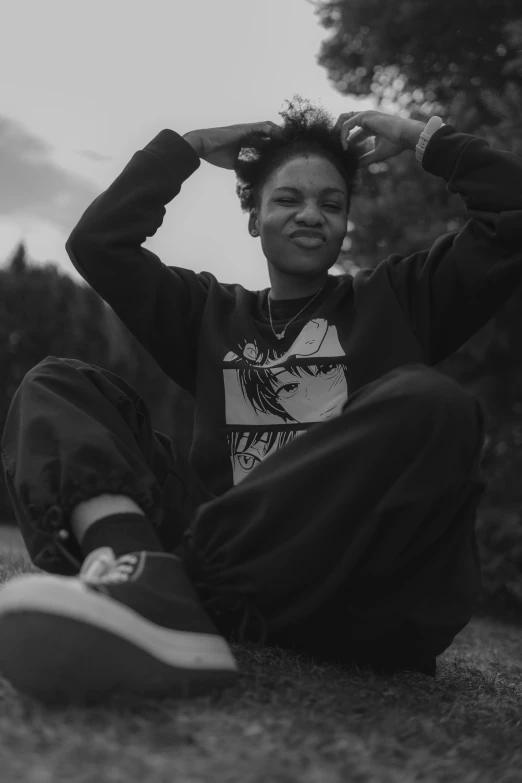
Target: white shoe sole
[60, 641]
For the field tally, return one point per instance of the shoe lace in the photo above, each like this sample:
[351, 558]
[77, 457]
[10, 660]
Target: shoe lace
[105, 568]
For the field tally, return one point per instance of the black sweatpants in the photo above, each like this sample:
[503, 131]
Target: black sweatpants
[355, 542]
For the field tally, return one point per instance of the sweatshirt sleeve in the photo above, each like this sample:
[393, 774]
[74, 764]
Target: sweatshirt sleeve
[161, 305]
[452, 290]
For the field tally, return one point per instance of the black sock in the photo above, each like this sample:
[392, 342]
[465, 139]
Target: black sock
[125, 532]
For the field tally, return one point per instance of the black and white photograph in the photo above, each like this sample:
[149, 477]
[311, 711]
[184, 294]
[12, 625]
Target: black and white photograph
[261, 391]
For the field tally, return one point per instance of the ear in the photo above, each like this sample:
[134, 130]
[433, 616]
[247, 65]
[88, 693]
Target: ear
[253, 225]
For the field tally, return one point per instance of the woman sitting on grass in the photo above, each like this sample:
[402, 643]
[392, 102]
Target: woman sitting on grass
[328, 502]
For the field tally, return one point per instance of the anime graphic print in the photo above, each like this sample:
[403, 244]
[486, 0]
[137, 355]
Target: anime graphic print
[272, 398]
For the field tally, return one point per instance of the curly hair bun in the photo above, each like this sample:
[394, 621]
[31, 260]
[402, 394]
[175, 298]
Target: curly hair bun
[306, 128]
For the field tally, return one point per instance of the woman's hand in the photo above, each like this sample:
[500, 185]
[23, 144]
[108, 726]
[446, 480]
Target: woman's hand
[392, 134]
[221, 146]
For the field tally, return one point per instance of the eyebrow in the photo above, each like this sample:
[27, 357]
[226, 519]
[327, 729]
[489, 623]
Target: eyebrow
[324, 190]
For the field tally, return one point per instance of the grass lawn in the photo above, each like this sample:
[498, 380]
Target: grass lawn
[288, 719]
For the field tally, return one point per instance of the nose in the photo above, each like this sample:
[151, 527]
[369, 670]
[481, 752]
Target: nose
[309, 216]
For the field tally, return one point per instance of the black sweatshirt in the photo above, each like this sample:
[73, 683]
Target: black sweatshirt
[254, 393]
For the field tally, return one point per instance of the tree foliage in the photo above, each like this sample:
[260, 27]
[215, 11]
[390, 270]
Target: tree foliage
[422, 54]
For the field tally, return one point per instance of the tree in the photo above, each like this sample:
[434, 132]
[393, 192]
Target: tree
[420, 55]
[44, 313]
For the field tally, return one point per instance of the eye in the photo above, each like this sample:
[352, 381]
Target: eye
[287, 390]
[327, 371]
[293, 201]
[247, 461]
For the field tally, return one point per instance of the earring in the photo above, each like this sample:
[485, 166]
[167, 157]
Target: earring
[254, 232]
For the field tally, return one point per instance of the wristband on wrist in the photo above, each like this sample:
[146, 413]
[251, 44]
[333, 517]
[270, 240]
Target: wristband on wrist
[434, 123]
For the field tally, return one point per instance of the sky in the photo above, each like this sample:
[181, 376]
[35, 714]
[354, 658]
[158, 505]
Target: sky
[90, 83]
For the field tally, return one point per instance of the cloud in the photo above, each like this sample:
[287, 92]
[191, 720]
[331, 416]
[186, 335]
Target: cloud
[91, 155]
[32, 184]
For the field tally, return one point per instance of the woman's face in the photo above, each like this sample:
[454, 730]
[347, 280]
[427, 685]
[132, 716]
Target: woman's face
[306, 195]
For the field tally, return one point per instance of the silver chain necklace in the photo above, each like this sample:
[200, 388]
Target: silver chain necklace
[280, 336]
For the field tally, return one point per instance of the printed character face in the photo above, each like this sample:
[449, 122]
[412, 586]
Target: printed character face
[312, 397]
[306, 192]
[245, 459]
[248, 451]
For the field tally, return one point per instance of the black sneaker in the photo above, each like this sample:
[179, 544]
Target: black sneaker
[130, 624]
